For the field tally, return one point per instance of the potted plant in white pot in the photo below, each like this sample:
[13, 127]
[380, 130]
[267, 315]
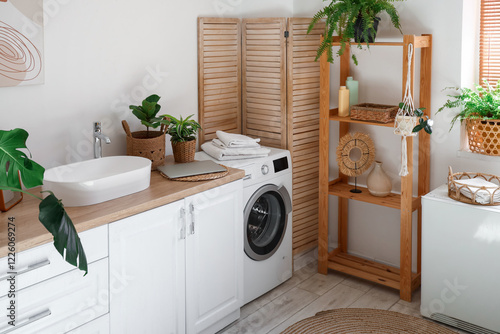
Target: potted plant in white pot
[183, 137]
[147, 144]
[352, 19]
[480, 109]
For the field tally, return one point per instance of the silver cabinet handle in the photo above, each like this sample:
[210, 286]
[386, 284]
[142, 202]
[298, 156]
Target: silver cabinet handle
[183, 224]
[191, 210]
[28, 321]
[29, 268]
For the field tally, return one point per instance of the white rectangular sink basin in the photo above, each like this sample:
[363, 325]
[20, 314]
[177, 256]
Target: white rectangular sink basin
[99, 180]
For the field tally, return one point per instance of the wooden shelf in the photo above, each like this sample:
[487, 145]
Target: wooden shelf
[403, 279]
[369, 270]
[375, 44]
[334, 116]
[423, 41]
[342, 189]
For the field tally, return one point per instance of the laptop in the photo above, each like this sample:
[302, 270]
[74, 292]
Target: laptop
[190, 169]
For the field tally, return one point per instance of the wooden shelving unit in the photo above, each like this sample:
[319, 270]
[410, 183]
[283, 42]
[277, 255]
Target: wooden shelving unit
[339, 259]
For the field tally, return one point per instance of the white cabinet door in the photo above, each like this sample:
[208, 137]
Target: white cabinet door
[214, 256]
[147, 282]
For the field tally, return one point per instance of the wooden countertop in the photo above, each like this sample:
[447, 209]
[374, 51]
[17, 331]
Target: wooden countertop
[30, 232]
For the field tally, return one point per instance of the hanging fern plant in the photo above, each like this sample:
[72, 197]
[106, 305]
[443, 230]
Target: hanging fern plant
[349, 18]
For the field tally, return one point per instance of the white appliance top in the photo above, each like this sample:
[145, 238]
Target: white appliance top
[278, 162]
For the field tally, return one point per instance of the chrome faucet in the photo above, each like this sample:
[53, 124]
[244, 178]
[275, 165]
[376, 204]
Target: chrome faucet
[98, 136]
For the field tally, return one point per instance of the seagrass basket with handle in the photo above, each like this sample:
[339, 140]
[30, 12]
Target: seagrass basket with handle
[149, 145]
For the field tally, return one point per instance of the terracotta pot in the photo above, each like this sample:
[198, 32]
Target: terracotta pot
[378, 182]
[147, 145]
[184, 151]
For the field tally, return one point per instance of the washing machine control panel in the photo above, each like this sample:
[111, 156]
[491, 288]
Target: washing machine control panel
[264, 169]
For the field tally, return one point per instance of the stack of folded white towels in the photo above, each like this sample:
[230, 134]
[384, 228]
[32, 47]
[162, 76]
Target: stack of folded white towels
[231, 146]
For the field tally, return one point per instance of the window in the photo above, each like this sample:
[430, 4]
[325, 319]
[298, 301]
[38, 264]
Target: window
[489, 42]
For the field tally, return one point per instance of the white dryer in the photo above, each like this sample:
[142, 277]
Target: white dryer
[267, 203]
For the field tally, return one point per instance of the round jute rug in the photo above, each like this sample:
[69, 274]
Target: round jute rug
[362, 320]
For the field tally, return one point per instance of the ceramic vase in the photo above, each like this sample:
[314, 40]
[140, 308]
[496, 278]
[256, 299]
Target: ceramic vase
[378, 182]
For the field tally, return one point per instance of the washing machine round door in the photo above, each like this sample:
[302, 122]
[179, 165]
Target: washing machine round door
[266, 219]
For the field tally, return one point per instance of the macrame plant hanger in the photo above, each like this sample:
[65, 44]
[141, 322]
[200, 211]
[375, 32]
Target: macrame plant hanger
[406, 120]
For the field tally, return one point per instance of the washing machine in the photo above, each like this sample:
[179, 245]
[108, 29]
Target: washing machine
[267, 203]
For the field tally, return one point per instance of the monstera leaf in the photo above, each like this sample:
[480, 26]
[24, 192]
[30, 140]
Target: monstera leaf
[56, 221]
[17, 161]
[53, 216]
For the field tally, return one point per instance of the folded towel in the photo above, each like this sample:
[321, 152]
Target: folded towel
[233, 153]
[218, 143]
[483, 196]
[236, 140]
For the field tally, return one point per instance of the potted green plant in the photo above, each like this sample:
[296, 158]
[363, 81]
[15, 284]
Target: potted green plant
[147, 144]
[480, 109]
[183, 137]
[16, 166]
[352, 19]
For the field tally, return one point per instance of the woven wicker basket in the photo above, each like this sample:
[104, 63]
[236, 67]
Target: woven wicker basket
[455, 188]
[184, 151]
[484, 136]
[152, 147]
[371, 112]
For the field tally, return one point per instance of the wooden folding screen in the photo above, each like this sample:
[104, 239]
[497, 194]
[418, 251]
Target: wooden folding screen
[264, 80]
[303, 129]
[219, 76]
[254, 80]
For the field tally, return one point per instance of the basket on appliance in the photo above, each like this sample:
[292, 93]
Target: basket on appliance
[371, 112]
[474, 188]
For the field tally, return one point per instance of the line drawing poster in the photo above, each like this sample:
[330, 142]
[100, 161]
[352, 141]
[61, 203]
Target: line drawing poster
[21, 43]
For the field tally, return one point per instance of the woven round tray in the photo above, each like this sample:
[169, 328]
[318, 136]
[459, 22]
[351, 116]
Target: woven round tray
[455, 188]
[201, 177]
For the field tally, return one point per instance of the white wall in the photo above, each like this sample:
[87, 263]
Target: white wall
[101, 56]
[374, 231]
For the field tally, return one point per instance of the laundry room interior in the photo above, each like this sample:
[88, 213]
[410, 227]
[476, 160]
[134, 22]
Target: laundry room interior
[236, 166]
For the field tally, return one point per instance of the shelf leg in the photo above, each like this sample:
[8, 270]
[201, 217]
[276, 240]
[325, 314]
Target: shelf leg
[406, 227]
[342, 221]
[324, 128]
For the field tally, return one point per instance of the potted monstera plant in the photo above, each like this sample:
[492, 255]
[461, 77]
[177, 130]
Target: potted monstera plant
[480, 110]
[183, 137]
[147, 144]
[16, 166]
[352, 20]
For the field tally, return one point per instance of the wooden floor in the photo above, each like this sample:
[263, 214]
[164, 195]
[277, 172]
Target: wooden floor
[308, 292]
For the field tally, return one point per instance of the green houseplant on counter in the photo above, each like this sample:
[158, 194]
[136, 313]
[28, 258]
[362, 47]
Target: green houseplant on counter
[480, 110]
[183, 137]
[15, 163]
[147, 144]
[352, 19]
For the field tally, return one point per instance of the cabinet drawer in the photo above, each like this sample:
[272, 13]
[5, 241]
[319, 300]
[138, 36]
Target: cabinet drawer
[97, 326]
[43, 262]
[60, 304]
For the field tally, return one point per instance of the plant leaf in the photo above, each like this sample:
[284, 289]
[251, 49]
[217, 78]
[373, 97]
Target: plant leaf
[17, 161]
[55, 219]
[418, 128]
[153, 98]
[138, 112]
